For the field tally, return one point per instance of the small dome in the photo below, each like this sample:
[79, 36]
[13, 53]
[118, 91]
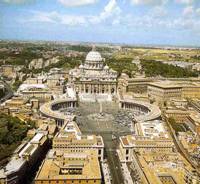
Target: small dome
[94, 56]
[106, 67]
[81, 66]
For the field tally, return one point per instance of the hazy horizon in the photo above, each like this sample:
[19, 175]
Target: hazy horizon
[100, 43]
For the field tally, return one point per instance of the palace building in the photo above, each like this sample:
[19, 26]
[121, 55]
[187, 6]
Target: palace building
[70, 138]
[165, 91]
[69, 167]
[94, 78]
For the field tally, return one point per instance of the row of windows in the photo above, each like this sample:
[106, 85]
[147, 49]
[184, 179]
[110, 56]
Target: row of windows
[66, 182]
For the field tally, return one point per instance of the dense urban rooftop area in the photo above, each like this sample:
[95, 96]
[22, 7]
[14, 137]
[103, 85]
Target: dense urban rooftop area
[113, 114]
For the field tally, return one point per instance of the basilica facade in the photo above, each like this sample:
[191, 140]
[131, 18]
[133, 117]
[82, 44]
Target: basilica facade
[93, 76]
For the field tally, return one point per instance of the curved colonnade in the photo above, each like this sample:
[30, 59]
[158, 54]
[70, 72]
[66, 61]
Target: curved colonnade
[51, 110]
[151, 112]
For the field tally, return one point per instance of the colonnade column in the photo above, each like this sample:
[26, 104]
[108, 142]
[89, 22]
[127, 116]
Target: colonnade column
[100, 88]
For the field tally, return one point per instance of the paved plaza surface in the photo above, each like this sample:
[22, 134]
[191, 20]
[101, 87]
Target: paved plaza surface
[117, 124]
[110, 125]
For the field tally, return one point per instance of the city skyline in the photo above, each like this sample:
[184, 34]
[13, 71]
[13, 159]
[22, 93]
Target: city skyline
[156, 22]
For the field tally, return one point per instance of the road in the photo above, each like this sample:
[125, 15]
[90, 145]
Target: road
[113, 160]
[115, 167]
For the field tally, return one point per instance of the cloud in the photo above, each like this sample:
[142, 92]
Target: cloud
[110, 10]
[16, 1]
[55, 17]
[185, 1]
[198, 11]
[73, 20]
[191, 12]
[159, 12]
[188, 11]
[71, 3]
[112, 16]
[110, 13]
[148, 2]
[156, 19]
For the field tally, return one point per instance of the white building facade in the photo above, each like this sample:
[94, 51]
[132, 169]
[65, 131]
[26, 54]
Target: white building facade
[94, 77]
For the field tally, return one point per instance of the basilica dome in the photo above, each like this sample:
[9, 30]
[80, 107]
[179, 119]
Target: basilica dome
[94, 56]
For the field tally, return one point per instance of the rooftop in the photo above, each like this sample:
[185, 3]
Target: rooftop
[32, 145]
[175, 84]
[165, 84]
[67, 165]
[153, 129]
[171, 165]
[146, 141]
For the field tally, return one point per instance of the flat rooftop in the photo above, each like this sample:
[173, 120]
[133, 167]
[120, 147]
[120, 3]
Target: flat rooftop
[165, 84]
[174, 84]
[60, 165]
[72, 139]
[33, 144]
[153, 129]
[14, 165]
[160, 166]
[71, 135]
[146, 141]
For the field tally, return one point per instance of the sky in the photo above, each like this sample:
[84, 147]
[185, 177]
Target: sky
[158, 22]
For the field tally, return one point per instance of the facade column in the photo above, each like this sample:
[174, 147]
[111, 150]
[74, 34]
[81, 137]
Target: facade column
[81, 86]
[91, 88]
[100, 88]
